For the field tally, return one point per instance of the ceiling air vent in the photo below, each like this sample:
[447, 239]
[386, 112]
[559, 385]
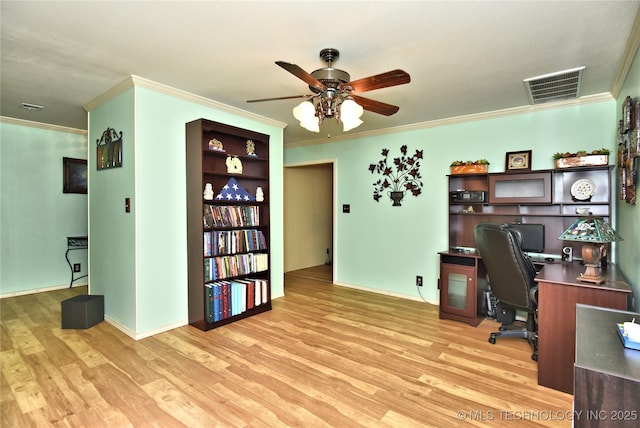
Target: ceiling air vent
[554, 86]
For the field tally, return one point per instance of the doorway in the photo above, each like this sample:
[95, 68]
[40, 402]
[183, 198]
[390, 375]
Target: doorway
[309, 218]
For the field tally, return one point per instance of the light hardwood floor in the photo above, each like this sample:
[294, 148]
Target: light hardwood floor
[325, 356]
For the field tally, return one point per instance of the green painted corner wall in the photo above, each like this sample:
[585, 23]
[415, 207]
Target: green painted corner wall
[149, 245]
[629, 215]
[112, 269]
[161, 176]
[35, 215]
[382, 247]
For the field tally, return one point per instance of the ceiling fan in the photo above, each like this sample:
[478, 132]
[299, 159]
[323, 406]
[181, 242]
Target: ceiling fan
[335, 95]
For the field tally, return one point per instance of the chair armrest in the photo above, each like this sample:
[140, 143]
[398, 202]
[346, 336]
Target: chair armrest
[533, 294]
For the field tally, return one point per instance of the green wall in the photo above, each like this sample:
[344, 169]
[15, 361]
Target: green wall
[382, 247]
[142, 255]
[629, 215]
[35, 216]
[112, 231]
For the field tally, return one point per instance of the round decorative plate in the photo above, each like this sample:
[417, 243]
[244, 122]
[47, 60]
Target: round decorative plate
[583, 189]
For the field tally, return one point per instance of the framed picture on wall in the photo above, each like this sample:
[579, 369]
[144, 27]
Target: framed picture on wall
[518, 161]
[74, 175]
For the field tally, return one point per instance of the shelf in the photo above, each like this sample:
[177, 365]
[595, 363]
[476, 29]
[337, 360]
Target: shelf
[243, 156]
[519, 215]
[225, 266]
[240, 176]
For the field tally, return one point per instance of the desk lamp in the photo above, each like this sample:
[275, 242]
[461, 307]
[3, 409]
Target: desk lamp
[593, 233]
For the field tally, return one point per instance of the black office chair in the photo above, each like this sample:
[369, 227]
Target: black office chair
[511, 277]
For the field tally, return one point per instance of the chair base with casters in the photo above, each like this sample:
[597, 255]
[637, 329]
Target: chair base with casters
[509, 328]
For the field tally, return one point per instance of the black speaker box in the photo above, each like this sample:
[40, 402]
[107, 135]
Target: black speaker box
[82, 311]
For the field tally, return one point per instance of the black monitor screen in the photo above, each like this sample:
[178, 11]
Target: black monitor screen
[532, 236]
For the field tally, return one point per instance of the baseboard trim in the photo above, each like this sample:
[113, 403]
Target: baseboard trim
[138, 336]
[41, 290]
[386, 293]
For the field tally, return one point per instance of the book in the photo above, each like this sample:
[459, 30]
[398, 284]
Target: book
[264, 293]
[217, 308]
[209, 301]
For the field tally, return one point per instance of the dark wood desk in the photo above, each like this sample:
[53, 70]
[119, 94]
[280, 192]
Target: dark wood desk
[558, 293]
[607, 376]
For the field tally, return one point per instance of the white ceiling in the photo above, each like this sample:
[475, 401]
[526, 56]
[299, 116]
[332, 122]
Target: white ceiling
[464, 57]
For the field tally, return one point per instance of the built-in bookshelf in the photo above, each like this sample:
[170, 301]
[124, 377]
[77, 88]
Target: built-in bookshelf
[227, 223]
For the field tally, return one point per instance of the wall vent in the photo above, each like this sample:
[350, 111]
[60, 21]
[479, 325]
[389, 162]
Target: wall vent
[554, 86]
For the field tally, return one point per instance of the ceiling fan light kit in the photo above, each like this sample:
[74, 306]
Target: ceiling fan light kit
[350, 113]
[334, 94]
[305, 112]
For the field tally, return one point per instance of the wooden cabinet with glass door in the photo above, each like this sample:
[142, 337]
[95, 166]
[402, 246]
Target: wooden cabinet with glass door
[462, 286]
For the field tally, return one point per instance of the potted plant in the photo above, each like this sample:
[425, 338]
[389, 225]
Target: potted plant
[469, 167]
[581, 158]
[403, 175]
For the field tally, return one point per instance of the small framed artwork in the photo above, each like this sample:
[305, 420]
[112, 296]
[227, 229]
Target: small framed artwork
[518, 161]
[109, 149]
[74, 175]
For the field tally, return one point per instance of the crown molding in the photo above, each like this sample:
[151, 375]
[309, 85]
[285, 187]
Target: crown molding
[118, 89]
[630, 52]
[47, 126]
[458, 119]
[140, 82]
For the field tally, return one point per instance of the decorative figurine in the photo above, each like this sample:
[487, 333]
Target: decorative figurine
[216, 145]
[208, 192]
[251, 148]
[234, 165]
[259, 194]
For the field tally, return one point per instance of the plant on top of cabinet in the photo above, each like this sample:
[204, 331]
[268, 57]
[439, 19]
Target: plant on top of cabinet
[581, 158]
[479, 166]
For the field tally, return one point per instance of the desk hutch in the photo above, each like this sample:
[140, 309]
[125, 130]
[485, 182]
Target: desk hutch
[542, 196]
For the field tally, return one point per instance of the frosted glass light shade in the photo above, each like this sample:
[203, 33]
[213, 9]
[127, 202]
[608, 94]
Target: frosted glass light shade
[305, 112]
[350, 113]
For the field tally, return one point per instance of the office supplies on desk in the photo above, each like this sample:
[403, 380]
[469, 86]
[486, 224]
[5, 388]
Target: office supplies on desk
[626, 340]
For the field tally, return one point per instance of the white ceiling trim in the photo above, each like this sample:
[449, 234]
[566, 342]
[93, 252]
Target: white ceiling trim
[459, 119]
[630, 51]
[136, 81]
[40, 125]
[101, 99]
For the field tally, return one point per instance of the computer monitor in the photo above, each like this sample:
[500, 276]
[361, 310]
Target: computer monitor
[532, 236]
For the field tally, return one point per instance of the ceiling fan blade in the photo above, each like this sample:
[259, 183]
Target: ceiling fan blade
[303, 75]
[376, 106]
[379, 81]
[279, 98]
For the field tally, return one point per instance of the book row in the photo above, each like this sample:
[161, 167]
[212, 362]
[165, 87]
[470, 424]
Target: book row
[230, 215]
[226, 299]
[233, 241]
[240, 264]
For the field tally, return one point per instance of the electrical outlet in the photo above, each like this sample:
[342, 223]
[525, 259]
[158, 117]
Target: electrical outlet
[418, 281]
[76, 267]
